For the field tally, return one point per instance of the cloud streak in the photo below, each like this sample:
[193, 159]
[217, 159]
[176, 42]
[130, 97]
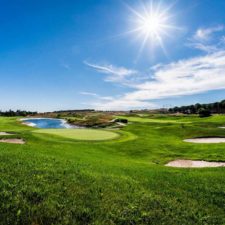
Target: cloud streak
[206, 40]
[203, 47]
[88, 93]
[204, 34]
[122, 104]
[114, 74]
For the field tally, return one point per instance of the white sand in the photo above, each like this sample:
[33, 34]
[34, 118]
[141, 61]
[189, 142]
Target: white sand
[5, 133]
[194, 164]
[206, 140]
[13, 141]
[29, 124]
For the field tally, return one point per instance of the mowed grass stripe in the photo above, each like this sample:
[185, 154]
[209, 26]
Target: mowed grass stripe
[81, 134]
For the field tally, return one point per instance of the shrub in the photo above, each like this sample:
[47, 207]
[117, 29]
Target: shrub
[204, 112]
[121, 120]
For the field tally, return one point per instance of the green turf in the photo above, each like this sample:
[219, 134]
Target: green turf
[152, 120]
[55, 180]
[81, 134]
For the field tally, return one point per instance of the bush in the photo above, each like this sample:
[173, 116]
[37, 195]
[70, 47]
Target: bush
[120, 120]
[204, 112]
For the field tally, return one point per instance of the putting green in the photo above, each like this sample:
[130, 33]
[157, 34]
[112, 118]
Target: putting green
[80, 134]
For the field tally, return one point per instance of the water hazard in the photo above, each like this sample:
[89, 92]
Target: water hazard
[47, 123]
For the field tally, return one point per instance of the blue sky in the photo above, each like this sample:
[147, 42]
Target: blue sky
[77, 54]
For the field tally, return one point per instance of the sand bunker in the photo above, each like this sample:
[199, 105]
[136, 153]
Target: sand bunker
[194, 164]
[207, 140]
[13, 141]
[5, 133]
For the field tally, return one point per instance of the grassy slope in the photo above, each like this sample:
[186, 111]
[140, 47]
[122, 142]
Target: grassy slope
[52, 180]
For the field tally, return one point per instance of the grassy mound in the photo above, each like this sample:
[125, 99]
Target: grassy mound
[81, 134]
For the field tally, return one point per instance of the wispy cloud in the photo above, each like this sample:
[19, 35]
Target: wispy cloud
[88, 93]
[122, 104]
[95, 95]
[184, 77]
[222, 39]
[115, 103]
[204, 39]
[204, 34]
[115, 74]
[65, 65]
[203, 47]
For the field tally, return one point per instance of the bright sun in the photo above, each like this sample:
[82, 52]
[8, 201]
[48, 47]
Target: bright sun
[151, 24]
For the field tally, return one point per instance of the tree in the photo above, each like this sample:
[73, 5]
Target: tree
[204, 112]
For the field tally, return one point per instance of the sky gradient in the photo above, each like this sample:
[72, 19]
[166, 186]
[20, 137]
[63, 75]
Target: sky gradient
[79, 54]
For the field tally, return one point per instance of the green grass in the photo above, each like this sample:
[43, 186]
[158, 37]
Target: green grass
[81, 134]
[56, 180]
[152, 120]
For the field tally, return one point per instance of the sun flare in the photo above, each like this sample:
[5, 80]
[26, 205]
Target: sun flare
[151, 24]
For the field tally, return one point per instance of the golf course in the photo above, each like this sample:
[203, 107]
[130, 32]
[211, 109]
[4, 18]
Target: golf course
[112, 176]
[112, 112]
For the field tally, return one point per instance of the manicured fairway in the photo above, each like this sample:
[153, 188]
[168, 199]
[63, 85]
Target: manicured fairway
[55, 180]
[81, 134]
[150, 120]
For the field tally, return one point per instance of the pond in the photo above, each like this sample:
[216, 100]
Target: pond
[47, 123]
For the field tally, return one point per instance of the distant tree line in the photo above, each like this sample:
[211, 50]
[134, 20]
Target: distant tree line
[17, 113]
[75, 111]
[216, 107]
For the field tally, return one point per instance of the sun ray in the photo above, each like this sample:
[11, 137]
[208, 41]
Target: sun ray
[151, 24]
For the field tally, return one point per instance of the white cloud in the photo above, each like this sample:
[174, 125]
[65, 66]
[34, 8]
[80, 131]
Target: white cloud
[222, 40]
[96, 95]
[184, 77]
[205, 39]
[88, 93]
[115, 74]
[204, 34]
[203, 47]
[115, 103]
[122, 104]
